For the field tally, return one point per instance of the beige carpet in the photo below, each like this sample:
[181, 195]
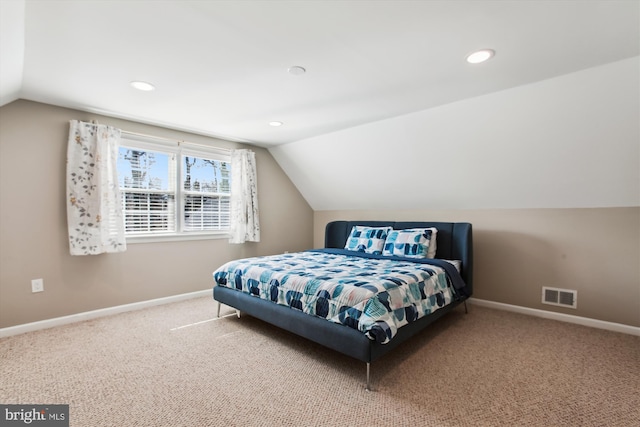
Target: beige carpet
[173, 365]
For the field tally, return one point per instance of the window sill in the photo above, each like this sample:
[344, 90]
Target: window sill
[173, 237]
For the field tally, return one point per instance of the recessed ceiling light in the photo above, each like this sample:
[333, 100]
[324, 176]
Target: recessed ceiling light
[480, 56]
[142, 85]
[296, 70]
[275, 124]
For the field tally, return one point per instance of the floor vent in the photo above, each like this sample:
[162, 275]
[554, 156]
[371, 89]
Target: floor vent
[560, 297]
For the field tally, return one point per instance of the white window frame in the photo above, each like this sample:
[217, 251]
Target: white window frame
[179, 149]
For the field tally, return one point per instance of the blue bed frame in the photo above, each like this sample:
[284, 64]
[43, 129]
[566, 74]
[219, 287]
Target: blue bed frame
[454, 242]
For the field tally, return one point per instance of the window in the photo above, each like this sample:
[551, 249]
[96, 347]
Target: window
[206, 184]
[173, 190]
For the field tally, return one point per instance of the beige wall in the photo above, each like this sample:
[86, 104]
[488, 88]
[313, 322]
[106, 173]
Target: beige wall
[33, 239]
[517, 251]
[595, 251]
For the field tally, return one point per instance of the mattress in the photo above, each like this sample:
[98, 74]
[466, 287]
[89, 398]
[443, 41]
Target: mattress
[374, 294]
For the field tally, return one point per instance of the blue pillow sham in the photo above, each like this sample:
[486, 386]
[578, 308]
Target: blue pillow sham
[411, 243]
[407, 243]
[367, 239]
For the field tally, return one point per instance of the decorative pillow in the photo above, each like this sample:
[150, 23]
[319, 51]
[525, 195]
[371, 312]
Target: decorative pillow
[455, 262]
[367, 239]
[411, 243]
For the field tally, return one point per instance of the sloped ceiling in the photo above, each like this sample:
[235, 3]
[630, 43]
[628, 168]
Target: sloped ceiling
[571, 141]
[220, 67]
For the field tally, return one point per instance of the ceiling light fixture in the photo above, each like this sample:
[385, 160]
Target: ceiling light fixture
[296, 70]
[140, 85]
[480, 56]
[275, 124]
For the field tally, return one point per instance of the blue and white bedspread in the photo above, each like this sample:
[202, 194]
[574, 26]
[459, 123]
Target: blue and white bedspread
[373, 294]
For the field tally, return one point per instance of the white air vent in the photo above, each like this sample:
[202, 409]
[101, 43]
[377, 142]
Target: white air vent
[560, 297]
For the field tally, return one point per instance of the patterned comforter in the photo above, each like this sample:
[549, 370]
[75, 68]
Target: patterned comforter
[373, 294]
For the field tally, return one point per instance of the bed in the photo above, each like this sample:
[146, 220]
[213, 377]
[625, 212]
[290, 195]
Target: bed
[372, 287]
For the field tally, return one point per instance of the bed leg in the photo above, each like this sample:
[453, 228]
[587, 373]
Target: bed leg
[238, 313]
[368, 387]
[465, 307]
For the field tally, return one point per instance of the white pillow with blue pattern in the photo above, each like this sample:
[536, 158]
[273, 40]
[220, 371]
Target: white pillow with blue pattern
[367, 239]
[411, 243]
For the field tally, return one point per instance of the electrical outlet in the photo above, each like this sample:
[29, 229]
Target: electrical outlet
[37, 285]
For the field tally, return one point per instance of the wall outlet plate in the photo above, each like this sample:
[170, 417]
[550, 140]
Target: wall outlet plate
[37, 285]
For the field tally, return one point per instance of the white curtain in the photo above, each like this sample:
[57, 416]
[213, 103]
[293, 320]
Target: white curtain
[245, 225]
[94, 207]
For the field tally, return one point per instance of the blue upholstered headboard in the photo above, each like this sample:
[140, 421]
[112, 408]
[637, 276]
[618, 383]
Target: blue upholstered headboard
[454, 240]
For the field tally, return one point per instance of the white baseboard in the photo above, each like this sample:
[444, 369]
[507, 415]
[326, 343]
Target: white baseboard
[585, 321]
[87, 315]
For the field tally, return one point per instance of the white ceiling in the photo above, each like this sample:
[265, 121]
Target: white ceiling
[220, 67]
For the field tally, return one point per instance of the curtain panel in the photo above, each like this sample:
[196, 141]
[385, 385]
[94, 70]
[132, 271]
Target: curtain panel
[245, 225]
[94, 205]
